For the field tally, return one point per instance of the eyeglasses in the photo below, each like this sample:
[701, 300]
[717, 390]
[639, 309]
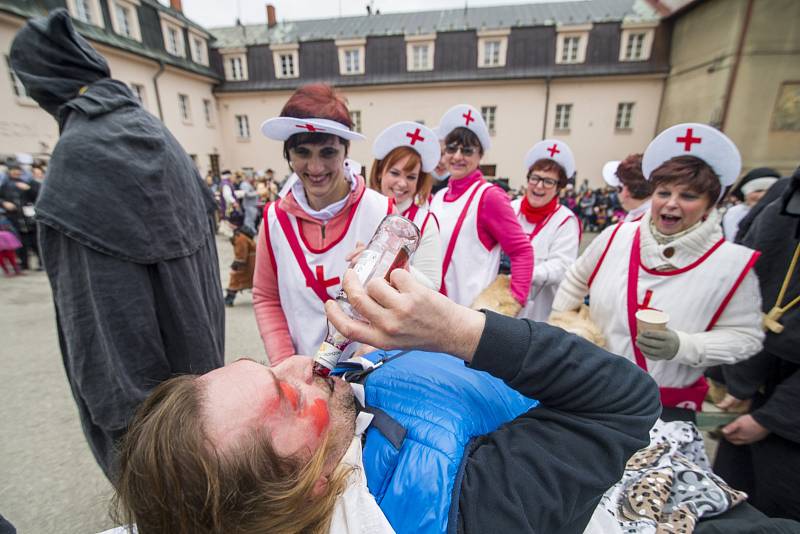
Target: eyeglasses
[547, 183]
[466, 151]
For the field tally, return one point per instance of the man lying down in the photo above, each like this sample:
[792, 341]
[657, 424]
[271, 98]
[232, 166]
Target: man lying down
[455, 441]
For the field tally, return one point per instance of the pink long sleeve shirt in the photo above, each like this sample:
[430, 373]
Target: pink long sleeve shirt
[497, 223]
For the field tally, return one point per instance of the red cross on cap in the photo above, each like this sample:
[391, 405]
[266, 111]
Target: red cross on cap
[553, 150]
[468, 118]
[688, 140]
[310, 127]
[414, 136]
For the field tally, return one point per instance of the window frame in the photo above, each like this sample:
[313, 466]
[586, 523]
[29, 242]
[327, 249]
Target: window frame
[171, 23]
[230, 54]
[238, 124]
[565, 32]
[489, 114]
[351, 45]
[208, 112]
[198, 55]
[355, 119]
[286, 49]
[558, 117]
[140, 93]
[96, 14]
[623, 108]
[489, 36]
[184, 108]
[630, 29]
[414, 42]
[132, 7]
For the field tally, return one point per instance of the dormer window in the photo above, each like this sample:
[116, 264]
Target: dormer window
[572, 43]
[636, 41]
[419, 52]
[172, 30]
[198, 47]
[492, 46]
[235, 63]
[87, 11]
[351, 56]
[125, 18]
[286, 60]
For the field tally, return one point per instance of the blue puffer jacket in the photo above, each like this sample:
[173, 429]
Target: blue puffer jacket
[442, 404]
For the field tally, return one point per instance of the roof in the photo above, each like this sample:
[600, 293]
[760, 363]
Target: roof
[423, 22]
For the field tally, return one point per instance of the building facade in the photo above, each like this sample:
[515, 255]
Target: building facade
[602, 75]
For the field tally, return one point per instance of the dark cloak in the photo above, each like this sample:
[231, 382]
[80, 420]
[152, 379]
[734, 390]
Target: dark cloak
[126, 234]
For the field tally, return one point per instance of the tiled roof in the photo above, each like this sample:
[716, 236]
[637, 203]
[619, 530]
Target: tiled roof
[422, 22]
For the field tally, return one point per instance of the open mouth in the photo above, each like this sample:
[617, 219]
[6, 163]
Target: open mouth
[670, 220]
[317, 180]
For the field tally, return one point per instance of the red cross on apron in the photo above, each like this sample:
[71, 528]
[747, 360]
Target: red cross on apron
[310, 127]
[688, 140]
[414, 136]
[468, 118]
[320, 271]
[553, 150]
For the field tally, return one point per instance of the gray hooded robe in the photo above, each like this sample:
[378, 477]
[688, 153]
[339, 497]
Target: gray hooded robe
[126, 234]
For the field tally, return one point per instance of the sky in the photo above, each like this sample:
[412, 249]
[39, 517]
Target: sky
[214, 13]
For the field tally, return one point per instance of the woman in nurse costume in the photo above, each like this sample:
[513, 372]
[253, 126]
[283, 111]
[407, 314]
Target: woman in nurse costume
[308, 234]
[405, 154]
[475, 217]
[633, 190]
[675, 260]
[553, 230]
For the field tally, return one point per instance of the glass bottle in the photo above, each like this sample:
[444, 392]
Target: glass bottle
[390, 248]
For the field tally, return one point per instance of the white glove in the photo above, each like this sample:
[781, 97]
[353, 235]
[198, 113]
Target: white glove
[658, 344]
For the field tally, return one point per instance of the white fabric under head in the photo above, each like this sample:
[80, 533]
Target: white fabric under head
[610, 173]
[282, 128]
[555, 150]
[413, 135]
[465, 116]
[698, 140]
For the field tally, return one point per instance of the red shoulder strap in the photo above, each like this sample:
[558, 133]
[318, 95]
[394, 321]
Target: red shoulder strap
[752, 261]
[294, 244]
[448, 255]
[633, 306]
[603, 255]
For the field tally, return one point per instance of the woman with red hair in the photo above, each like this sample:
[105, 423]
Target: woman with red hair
[308, 234]
[406, 153]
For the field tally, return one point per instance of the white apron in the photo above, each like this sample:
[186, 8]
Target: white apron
[694, 297]
[468, 267]
[307, 278]
[559, 225]
[420, 217]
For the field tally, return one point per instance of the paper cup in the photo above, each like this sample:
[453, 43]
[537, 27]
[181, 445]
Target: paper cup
[651, 320]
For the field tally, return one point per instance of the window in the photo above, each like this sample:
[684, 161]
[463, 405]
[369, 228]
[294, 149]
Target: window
[351, 56]
[183, 108]
[569, 53]
[419, 52]
[242, 127]
[198, 46]
[235, 65]
[355, 118]
[352, 60]
[172, 33]
[786, 114]
[571, 44]
[16, 84]
[208, 112]
[172, 41]
[624, 115]
[488, 113]
[285, 59]
[84, 10]
[123, 15]
[636, 41]
[492, 47]
[138, 92]
[563, 113]
[491, 53]
[635, 46]
[87, 11]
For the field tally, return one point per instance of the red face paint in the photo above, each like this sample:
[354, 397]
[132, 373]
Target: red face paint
[290, 394]
[318, 414]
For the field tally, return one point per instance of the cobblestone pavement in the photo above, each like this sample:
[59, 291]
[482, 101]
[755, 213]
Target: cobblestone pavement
[49, 481]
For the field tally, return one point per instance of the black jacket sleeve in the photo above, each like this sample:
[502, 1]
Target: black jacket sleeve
[546, 470]
[780, 414]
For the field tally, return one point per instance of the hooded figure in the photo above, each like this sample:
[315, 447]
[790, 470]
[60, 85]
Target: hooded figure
[126, 233]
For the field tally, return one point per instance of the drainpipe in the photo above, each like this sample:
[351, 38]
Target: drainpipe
[155, 85]
[735, 69]
[546, 106]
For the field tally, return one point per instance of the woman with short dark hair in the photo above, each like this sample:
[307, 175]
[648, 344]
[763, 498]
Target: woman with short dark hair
[633, 189]
[308, 234]
[475, 217]
[674, 260]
